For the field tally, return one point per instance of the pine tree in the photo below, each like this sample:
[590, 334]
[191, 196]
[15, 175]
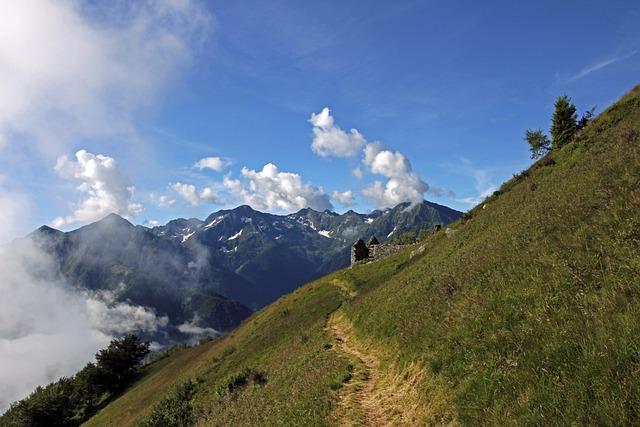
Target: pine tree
[564, 123]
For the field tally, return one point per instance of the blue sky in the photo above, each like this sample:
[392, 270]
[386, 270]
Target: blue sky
[447, 88]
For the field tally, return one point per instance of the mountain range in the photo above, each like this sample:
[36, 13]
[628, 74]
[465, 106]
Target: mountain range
[213, 273]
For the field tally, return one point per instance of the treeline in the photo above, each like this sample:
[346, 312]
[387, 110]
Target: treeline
[564, 126]
[71, 401]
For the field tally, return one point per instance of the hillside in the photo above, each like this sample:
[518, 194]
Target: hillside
[529, 313]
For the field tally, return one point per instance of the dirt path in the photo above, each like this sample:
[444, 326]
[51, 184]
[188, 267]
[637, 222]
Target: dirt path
[358, 404]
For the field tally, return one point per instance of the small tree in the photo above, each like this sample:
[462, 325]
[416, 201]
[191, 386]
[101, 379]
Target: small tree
[118, 364]
[564, 122]
[539, 143]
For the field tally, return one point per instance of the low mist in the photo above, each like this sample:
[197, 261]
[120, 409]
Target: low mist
[49, 330]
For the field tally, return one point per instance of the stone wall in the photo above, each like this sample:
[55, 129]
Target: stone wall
[384, 250]
[373, 252]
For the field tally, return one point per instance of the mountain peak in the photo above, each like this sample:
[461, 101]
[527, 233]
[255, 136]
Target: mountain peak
[47, 230]
[114, 219]
[244, 209]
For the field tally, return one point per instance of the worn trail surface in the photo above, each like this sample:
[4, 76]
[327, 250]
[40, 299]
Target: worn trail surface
[358, 404]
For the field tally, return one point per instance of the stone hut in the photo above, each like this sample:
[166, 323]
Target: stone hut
[372, 241]
[359, 251]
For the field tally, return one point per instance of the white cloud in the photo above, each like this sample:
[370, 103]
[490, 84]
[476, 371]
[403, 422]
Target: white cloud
[191, 329]
[165, 201]
[403, 185]
[345, 198]
[190, 193]
[213, 163]
[151, 223]
[67, 73]
[107, 189]
[330, 140]
[272, 190]
[484, 183]
[47, 329]
[592, 68]
[116, 318]
[474, 200]
[162, 201]
[15, 216]
[208, 195]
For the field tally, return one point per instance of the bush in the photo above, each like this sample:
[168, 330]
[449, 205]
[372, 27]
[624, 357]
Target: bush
[175, 410]
[236, 382]
[406, 238]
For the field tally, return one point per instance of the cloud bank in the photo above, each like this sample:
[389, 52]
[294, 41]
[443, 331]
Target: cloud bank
[107, 190]
[273, 190]
[49, 330]
[65, 75]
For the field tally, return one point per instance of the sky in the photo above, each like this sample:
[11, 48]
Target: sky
[178, 108]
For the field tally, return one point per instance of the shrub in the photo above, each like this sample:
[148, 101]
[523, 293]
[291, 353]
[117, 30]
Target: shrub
[236, 382]
[406, 238]
[175, 410]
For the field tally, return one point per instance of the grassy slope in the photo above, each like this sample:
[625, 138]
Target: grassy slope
[529, 313]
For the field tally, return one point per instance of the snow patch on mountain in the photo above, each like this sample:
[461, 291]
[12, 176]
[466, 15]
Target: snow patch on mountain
[215, 222]
[235, 236]
[187, 234]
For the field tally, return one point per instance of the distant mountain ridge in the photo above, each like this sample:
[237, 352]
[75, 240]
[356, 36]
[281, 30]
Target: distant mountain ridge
[213, 273]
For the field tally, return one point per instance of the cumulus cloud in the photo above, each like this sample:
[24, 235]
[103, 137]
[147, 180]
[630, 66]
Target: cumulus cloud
[68, 73]
[162, 201]
[107, 190]
[213, 163]
[190, 193]
[330, 140]
[403, 185]
[273, 190]
[345, 198]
